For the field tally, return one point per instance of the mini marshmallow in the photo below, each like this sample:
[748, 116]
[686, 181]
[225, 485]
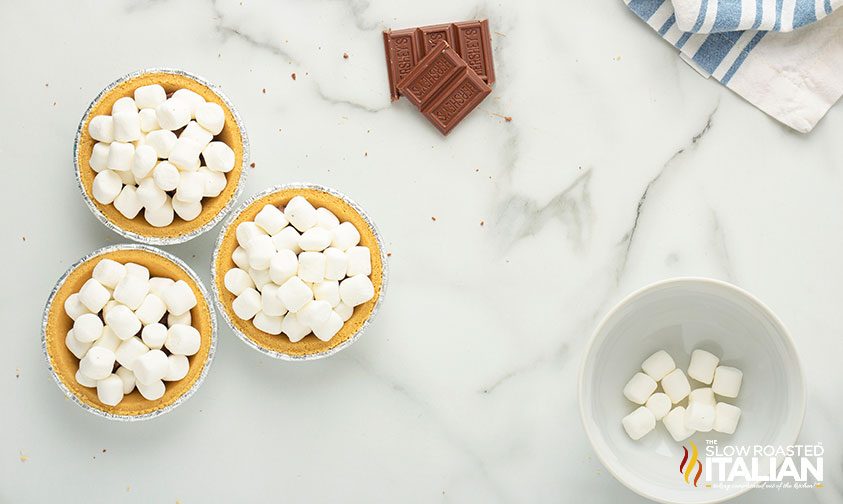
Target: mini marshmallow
[126, 178]
[179, 366]
[154, 335]
[124, 104]
[344, 311]
[187, 211]
[294, 329]
[184, 318]
[702, 366]
[639, 388]
[150, 96]
[183, 340]
[74, 307]
[93, 295]
[108, 306]
[143, 161]
[99, 157]
[356, 290]
[336, 263]
[326, 219]
[198, 134]
[179, 297]
[300, 213]
[287, 239]
[246, 231]
[173, 114]
[107, 185]
[150, 366]
[247, 304]
[120, 156]
[150, 194]
[185, 154]
[108, 340]
[328, 291]
[638, 423]
[261, 251]
[315, 239]
[345, 236]
[151, 310]
[152, 391]
[87, 328]
[101, 128]
[283, 265]
[260, 277]
[359, 261]
[314, 313]
[129, 351]
[699, 416]
[271, 219]
[148, 120]
[128, 379]
[137, 270]
[674, 422]
[97, 363]
[270, 324]
[127, 126]
[218, 157]
[131, 291]
[702, 395]
[158, 284]
[727, 381]
[162, 141]
[161, 216]
[659, 404]
[726, 418]
[123, 322]
[166, 176]
[311, 266]
[294, 293]
[676, 385]
[237, 280]
[658, 365]
[240, 258]
[214, 182]
[110, 390]
[83, 380]
[128, 203]
[76, 347]
[329, 327]
[109, 273]
[193, 99]
[211, 117]
[271, 304]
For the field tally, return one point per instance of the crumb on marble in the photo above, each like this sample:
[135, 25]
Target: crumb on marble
[345, 55]
[23, 238]
[482, 223]
[293, 75]
[389, 254]
[23, 457]
[365, 153]
[433, 218]
[263, 90]
[500, 34]
[17, 372]
[252, 165]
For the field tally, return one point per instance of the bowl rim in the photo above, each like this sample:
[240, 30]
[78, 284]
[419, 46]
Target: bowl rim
[788, 340]
[232, 217]
[211, 351]
[164, 240]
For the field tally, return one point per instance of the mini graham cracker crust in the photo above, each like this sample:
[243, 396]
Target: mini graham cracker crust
[310, 347]
[64, 364]
[232, 134]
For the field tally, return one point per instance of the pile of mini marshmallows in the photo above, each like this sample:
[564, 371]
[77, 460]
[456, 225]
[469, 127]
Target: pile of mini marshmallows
[704, 411]
[158, 154]
[119, 333]
[299, 271]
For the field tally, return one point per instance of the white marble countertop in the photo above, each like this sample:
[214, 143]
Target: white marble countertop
[621, 166]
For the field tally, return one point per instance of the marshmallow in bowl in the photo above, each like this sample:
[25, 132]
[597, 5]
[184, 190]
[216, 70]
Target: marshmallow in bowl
[118, 336]
[727, 381]
[291, 271]
[152, 145]
[639, 422]
[702, 366]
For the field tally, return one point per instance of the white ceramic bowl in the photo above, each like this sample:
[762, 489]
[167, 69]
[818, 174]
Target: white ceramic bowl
[680, 315]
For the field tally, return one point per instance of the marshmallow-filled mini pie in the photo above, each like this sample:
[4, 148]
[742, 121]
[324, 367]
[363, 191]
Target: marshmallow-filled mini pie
[299, 271]
[159, 156]
[128, 332]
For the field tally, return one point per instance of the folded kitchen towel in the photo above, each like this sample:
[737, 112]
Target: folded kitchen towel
[713, 16]
[795, 76]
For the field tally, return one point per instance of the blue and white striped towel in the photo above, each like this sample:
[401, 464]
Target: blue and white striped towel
[713, 16]
[795, 76]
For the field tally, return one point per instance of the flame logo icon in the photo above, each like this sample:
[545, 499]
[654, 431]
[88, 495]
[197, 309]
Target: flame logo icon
[687, 466]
